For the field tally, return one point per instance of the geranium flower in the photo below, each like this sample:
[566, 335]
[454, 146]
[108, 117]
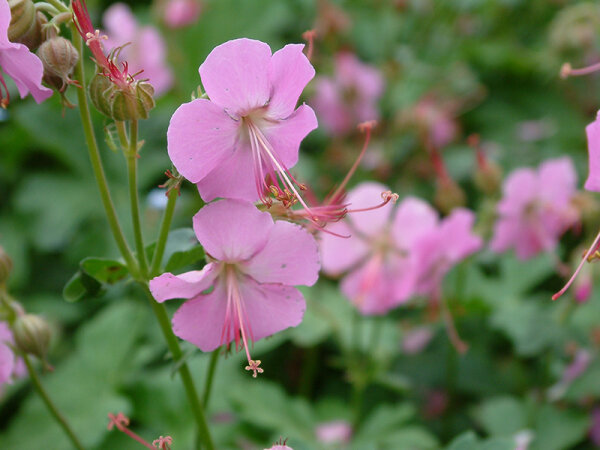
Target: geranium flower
[378, 253]
[142, 46]
[253, 264]
[181, 13]
[242, 142]
[20, 64]
[350, 96]
[536, 208]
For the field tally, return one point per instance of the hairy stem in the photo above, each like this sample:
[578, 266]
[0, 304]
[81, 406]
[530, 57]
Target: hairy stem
[214, 358]
[163, 234]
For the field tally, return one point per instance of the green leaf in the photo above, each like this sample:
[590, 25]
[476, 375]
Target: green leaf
[466, 441]
[502, 416]
[104, 270]
[182, 249]
[81, 285]
[558, 429]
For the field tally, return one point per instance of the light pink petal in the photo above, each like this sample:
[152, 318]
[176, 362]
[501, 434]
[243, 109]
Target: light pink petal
[120, 24]
[232, 230]
[354, 74]
[152, 60]
[233, 178]
[200, 137]
[527, 241]
[270, 308]
[366, 195]
[456, 230]
[505, 233]
[4, 22]
[180, 13]
[414, 218]
[339, 254]
[558, 181]
[593, 138]
[26, 70]
[187, 285]
[328, 103]
[290, 72]
[286, 135]
[201, 319]
[7, 363]
[290, 257]
[521, 187]
[235, 75]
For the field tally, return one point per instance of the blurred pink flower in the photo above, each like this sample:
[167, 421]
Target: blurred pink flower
[436, 121]
[334, 432]
[593, 137]
[414, 341]
[536, 208]
[142, 47]
[11, 367]
[350, 97]
[20, 64]
[442, 247]
[253, 262]
[242, 142]
[181, 13]
[378, 253]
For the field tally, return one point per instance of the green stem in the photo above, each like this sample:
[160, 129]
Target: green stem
[163, 234]
[50, 405]
[214, 358]
[60, 6]
[96, 161]
[186, 377]
[131, 156]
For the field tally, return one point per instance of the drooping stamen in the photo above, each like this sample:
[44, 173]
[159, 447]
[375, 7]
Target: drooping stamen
[4, 101]
[234, 320]
[121, 422]
[567, 71]
[309, 36]
[593, 248]
[163, 442]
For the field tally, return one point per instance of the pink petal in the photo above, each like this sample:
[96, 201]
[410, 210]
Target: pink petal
[187, 285]
[505, 233]
[232, 230]
[290, 257]
[233, 178]
[414, 218]
[120, 23]
[365, 195]
[521, 187]
[330, 108]
[354, 74]
[152, 60]
[456, 230]
[201, 319]
[286, 135]
[340, 254]
[200, 137]
[26, 70]
[4, 22]
[270, 307]
[558, 181]
[7, 362]
[235, 75]
[290, 72]
[593, 137]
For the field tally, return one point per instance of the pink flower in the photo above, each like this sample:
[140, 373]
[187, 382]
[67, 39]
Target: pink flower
[334, 432]
[350, 96]
[442, 247]
[241, 142]
[10, 366]
[593, 137]
[378, 255]
[436, 120]
[536, 208]
[253, 262]
[143, 47]
[20, 64]
[181, 13]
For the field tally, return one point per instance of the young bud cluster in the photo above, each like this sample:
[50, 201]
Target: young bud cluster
[59, 57]
[121, 104]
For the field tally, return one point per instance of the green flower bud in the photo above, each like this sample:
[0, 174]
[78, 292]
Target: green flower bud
[132, 104]
[489, 178]
[59, 57]
[6, 266]
[32, 335]
[448, 196]
[22, 19]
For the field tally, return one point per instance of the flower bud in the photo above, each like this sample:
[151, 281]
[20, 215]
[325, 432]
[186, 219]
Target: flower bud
[6, 266]
[488, 178]
[59, 57]
[25, 23]
[32, 335]
[132, 104]
[449, 195]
